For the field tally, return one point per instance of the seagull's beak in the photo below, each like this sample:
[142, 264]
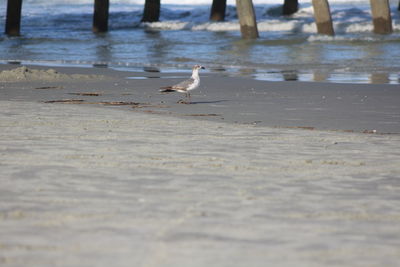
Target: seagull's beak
[201, 67]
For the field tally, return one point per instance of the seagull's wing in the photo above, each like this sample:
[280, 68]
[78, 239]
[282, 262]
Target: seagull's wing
[182, 86]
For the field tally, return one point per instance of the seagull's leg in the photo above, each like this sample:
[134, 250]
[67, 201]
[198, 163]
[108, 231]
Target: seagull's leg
[189, 98]
[183, 101]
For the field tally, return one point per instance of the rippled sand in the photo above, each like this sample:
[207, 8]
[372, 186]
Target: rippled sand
[90, 186]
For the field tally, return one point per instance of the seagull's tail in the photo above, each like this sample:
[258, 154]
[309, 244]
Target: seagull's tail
[167, 89]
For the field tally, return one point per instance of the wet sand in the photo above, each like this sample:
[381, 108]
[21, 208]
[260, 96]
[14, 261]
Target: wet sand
[156, 183]
[323, 106]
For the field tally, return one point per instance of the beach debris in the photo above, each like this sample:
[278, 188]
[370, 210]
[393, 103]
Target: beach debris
[81, 101]
[370, 131]
[149, 105]
[203, 115]
[108, 103]
[86, 94]
[310, 128]
[181, 101]
[306, 128]
[119, 103]
[157, 112]
[69, 101]
[22, 74]
[49, 87]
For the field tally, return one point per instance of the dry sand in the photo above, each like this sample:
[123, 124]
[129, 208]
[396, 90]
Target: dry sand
[99, 185]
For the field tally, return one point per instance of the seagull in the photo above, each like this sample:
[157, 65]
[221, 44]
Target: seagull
[187, 85]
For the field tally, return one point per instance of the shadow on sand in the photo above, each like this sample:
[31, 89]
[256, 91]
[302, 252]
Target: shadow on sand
[204, 102]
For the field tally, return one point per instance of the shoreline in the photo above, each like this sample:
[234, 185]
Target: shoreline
[272, 74]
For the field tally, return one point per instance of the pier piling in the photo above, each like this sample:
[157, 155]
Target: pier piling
[381, 16]
[13, 19]
[218, 9]
[100, 15]
[322, 15]
[290, 7]
[151, 12]
[247, 19]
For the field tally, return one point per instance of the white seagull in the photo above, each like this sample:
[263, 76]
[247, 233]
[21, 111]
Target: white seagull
[187, 85]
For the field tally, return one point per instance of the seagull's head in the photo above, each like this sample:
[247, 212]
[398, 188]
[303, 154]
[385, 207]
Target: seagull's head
[198, 67]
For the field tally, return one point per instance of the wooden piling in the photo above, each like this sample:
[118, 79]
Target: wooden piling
[381, 16]
[290, 7]
[218, 9]
[13, 19]
[100, 15]
[151, 12]
[323, 17]
[247, 19]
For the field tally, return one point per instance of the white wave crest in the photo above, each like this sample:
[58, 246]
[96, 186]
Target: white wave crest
[217, 26]
[341, 38]
[359, 27]
[167, 25]
[277, 25]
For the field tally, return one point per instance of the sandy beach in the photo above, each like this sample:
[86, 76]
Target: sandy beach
[101, 169]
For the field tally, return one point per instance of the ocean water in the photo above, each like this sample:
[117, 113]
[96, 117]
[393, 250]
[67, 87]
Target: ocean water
[59, 32]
